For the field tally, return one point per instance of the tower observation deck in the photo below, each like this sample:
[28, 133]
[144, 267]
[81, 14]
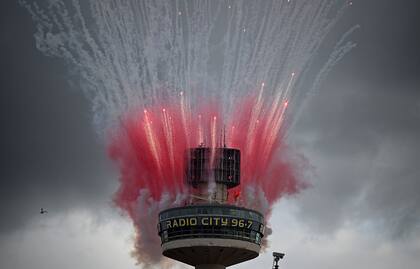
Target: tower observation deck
[209, 233]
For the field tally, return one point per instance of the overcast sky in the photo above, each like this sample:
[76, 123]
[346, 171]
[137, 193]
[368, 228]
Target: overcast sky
[360, 134]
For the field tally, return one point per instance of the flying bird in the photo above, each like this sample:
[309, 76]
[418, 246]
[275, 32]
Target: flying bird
[43, 211]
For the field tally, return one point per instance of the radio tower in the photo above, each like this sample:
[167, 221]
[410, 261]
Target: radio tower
[208, 233]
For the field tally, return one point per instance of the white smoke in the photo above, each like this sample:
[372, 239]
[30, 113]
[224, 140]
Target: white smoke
[147, 249]
[133, 53]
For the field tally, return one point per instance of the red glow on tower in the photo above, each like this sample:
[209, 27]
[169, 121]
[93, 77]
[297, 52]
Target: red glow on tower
[151, 156]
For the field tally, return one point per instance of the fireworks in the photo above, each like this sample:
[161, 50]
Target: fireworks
[164, 76]
[152, 144]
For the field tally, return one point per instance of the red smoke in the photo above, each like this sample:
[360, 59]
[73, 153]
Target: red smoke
[150, 150]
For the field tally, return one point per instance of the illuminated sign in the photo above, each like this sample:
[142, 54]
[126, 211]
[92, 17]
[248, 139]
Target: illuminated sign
[210, 221]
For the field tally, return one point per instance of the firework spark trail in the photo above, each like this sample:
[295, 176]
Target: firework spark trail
[253, 123]
[164, 76]
[276, 118]
[132, 49]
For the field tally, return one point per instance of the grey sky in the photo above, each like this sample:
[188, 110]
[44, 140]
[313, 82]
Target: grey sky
[360, 133]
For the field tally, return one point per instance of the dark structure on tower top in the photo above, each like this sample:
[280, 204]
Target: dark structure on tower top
[221, 164]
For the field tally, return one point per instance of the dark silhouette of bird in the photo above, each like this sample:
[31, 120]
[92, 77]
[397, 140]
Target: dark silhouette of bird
[43, 211]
